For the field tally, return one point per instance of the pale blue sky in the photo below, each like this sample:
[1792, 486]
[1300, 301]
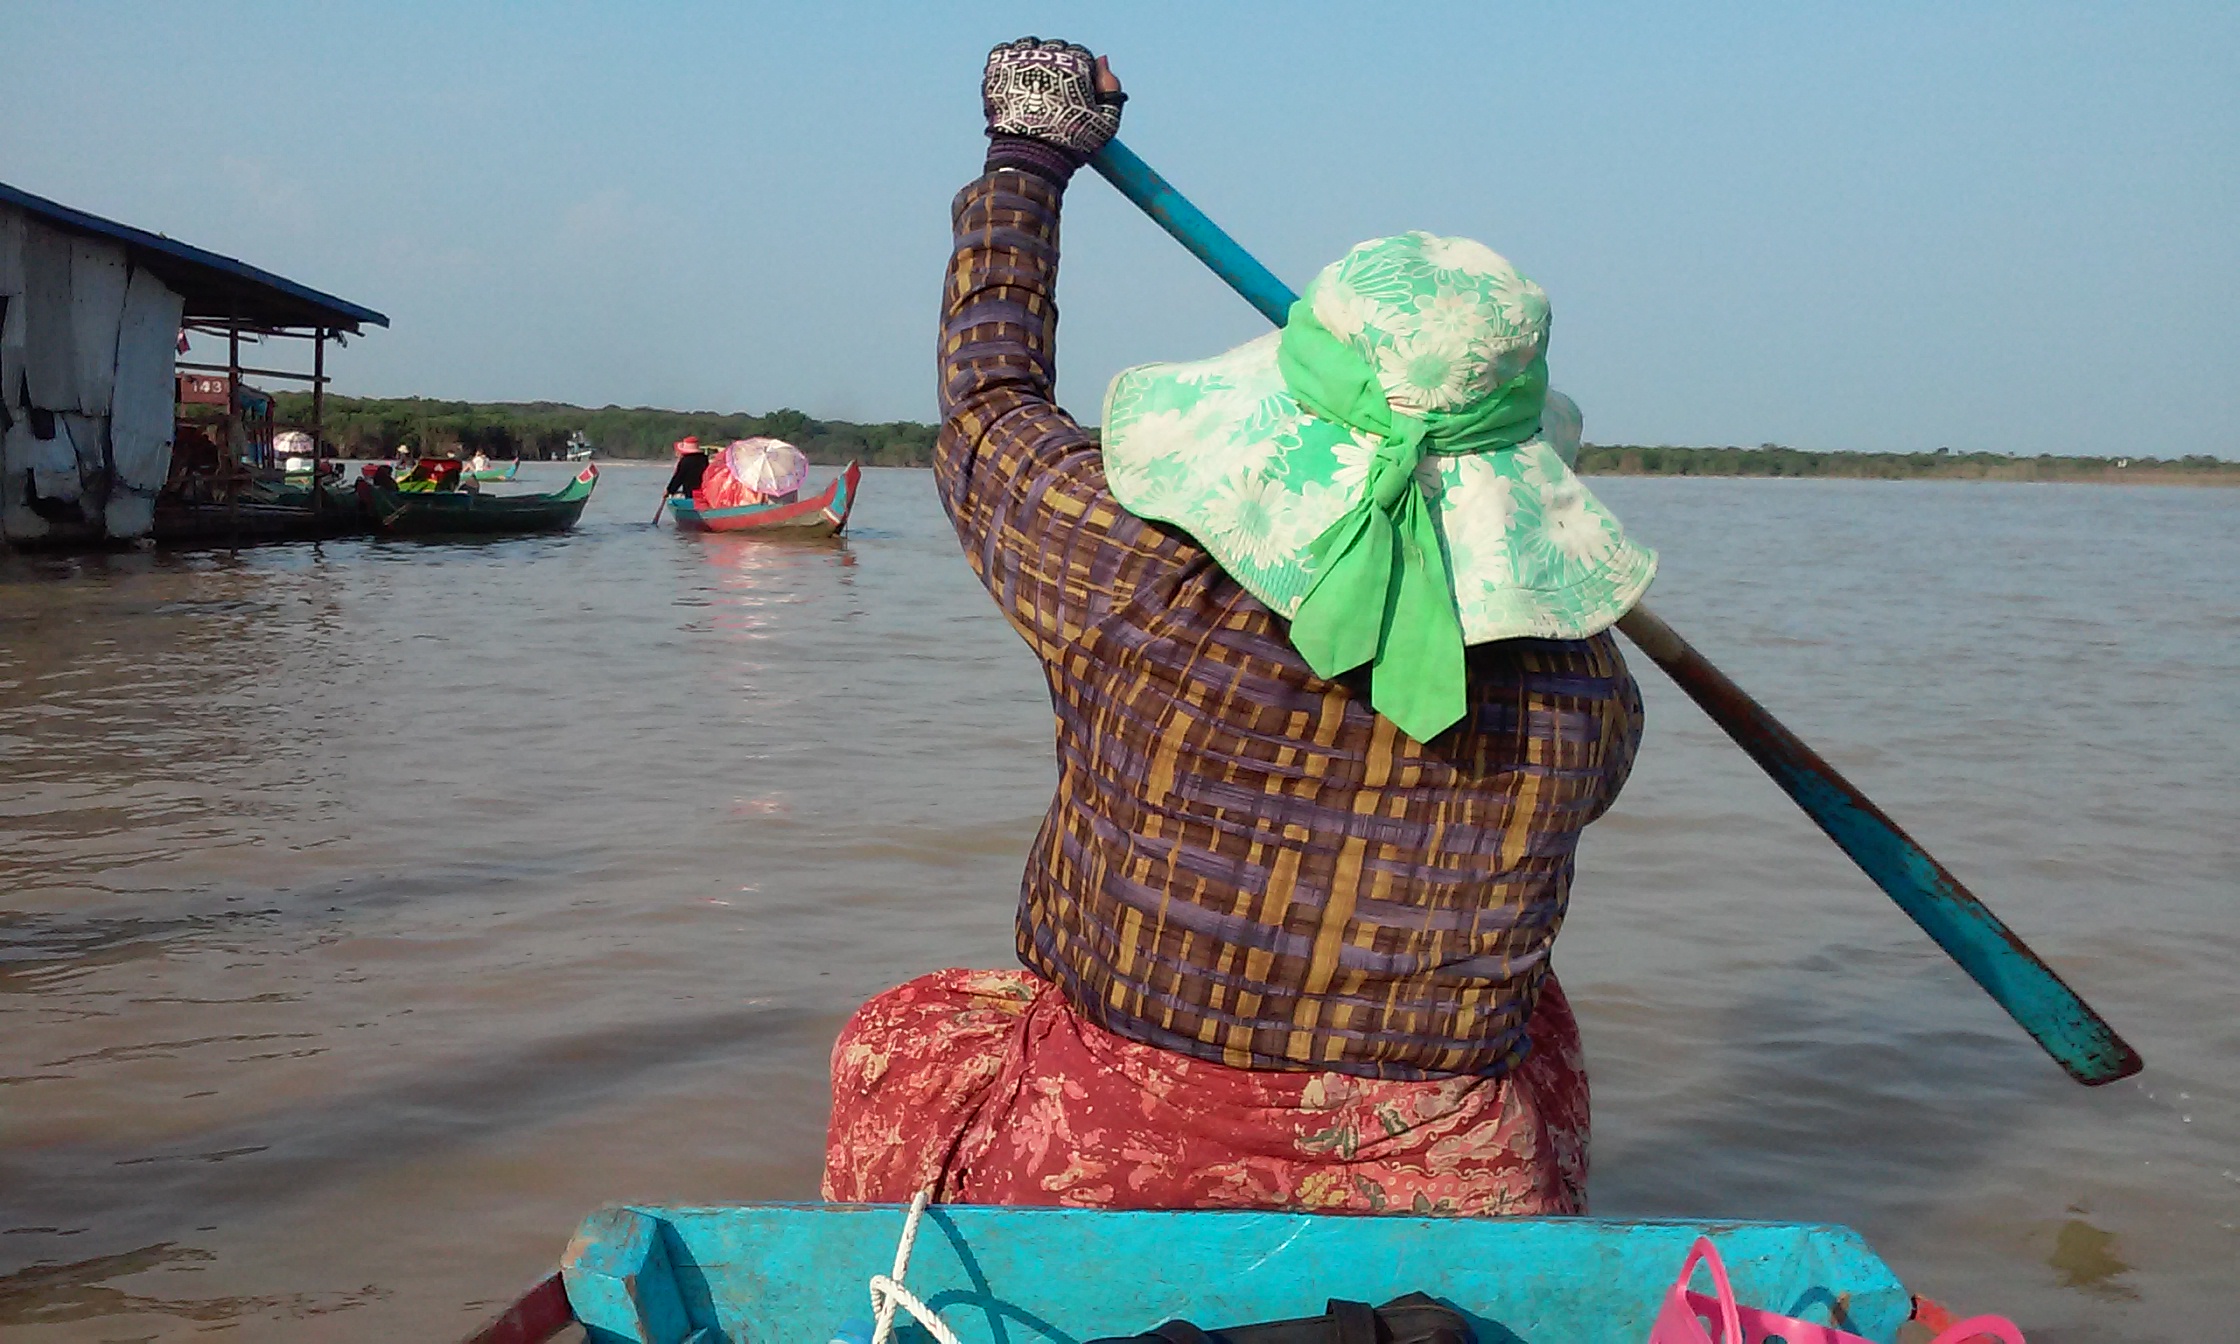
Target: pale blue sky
[2001, 226]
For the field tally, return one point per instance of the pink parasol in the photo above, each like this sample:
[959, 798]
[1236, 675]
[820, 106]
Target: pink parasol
[769, 467]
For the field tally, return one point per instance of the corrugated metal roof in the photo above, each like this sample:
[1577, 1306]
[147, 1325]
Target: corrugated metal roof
[214, 287]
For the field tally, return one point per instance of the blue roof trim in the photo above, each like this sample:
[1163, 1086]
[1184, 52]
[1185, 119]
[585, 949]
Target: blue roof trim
[185, 260]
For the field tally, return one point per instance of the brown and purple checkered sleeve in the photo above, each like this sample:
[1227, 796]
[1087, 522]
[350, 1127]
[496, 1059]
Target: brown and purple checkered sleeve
[1023, 482]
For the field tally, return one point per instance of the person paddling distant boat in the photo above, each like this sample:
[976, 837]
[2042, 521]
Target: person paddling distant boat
[692, 466]
[1325, 625]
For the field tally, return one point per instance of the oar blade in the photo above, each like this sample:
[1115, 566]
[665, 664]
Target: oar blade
[2039, 1001]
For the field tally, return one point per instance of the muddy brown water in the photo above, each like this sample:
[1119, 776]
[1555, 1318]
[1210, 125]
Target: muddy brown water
[371, 912]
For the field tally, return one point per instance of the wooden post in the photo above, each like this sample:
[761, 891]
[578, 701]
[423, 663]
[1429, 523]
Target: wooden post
[232, 455]
[233, 391]
[318, 418]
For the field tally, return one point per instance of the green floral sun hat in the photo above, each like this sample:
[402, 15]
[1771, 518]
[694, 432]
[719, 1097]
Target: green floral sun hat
[1389, 472]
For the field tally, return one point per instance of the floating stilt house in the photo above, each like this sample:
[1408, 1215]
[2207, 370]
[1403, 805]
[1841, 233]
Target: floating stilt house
[93, 317]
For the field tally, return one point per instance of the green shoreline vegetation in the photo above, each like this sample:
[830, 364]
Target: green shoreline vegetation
[370, 427]
[375, 426]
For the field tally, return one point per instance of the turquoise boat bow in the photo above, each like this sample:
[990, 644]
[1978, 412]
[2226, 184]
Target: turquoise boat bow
[791, 1273]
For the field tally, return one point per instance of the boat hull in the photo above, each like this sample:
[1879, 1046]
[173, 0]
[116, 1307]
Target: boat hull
[186, 526]
[789, 1274]
[504, 473]
[822, 515]
[471, 513]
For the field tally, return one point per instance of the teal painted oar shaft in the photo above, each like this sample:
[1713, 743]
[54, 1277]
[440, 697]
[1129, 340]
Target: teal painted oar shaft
[1174, 213]
[2078, 1038]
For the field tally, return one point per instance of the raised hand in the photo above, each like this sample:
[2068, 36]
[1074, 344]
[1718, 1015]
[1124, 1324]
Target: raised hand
[1056, 96]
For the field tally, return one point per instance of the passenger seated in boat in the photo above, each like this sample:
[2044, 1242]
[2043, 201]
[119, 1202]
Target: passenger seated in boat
[1325, 624]
[749, 472]
[431, 475]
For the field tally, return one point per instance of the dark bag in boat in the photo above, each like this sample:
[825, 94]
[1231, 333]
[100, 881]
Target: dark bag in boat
[1414, 1319]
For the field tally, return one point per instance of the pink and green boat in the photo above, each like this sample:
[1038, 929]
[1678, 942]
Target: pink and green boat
[822, 515]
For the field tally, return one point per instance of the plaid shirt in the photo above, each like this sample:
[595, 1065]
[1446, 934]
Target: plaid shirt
[1243, 862]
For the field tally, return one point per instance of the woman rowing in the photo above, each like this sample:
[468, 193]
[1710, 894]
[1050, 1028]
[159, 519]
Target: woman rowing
[692, 467]
[1325, 629]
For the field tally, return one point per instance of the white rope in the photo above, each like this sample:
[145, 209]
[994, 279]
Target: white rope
[887, 1291]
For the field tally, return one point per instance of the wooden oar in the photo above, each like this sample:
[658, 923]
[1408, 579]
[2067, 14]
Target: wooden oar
[2064, 1024]
[659, 509]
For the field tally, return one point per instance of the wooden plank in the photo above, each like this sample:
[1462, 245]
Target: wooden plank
[259, 373]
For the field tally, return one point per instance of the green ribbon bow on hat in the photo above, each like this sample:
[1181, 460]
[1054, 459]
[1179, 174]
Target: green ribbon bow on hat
[1381, 592]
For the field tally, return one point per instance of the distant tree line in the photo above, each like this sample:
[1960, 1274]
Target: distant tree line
[1773, 459]
[376, 426]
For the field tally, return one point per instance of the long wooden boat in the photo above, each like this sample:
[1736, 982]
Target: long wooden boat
[504, 473]
[470, 512]
[792, 1273]
[246, 522]
[821, 516]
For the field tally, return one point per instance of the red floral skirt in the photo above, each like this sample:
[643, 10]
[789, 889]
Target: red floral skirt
[988, 1087]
